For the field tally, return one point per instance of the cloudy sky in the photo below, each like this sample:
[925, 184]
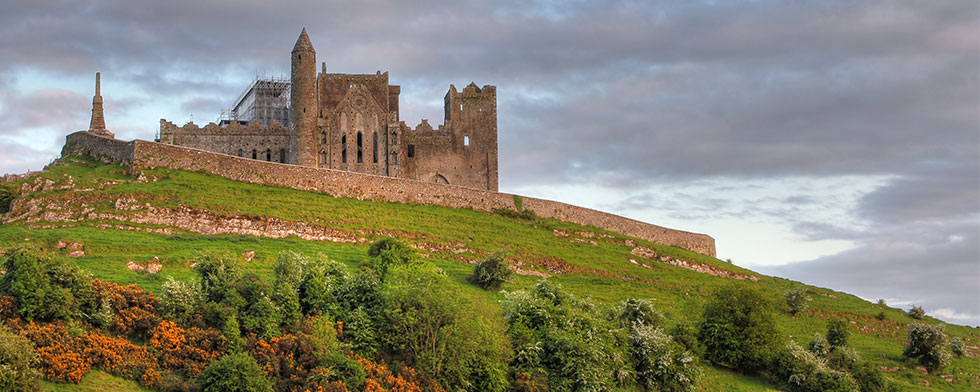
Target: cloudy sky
[832, 142]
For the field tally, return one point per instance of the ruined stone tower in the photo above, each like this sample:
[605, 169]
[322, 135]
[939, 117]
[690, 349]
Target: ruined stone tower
[303, 103]
[350, 122]
[97, 126]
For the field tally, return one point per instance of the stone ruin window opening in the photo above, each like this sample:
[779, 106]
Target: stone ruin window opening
[343, 148]
[394, 158]
[282, 155]
[411, 151]
[360, 147]
[323, 138]
[466, 140]
[255, 154]
[268, 155]
[394, 138]
[241, 153]
[375, 148]
[323, 158]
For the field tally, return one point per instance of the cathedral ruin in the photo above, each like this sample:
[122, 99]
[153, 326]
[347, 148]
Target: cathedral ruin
[351, 122]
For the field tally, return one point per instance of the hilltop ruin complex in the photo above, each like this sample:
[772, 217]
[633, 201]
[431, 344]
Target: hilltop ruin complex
[351, 122]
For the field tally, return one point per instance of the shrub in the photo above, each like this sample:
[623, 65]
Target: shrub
[927, 345]
[234, 372]
[17, 363]
[916, 312]
[179, 301]
[687, 335]
[739, 330]
[842, 358]
[7, 195]
[957, 347]
[387, 252]
[134, 310]
[870, 378]
[661, 364]
[576, 345]
[881, 302]
[880, 315]
[819, 346]
[802, 371]
[638, 311]
[286, 360]
[797, 299]
[491, 272]
[431, 328]
[321, 278]
[45, 288]
[837, 333]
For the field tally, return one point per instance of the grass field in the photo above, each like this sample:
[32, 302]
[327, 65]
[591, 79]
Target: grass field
[588, 262]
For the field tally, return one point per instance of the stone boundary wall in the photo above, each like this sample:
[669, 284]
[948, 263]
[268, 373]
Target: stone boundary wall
[145, 155]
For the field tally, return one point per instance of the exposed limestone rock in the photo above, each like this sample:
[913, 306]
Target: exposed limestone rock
[248, 256]
[702, 268]
[153, 268]
[61, 245]
[77, 253]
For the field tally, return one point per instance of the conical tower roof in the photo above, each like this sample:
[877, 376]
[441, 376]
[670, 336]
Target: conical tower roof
[303, 42]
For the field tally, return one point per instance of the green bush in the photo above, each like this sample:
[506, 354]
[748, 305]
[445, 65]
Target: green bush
[837, 333]
[179, 301]
[7, 195]
[797, 299]
[661, 364]
[18, 363]
[927, 345]
[802, 371]
[842, 358]
[491, 272]
[571, 341]
[237, 372]
[429, 326]
[916, 312]
[638, 311]
[739, 330]
[957, 347]
[387, 252]
[46, 288]
[870, 378]
[819, 346]
[686, 334]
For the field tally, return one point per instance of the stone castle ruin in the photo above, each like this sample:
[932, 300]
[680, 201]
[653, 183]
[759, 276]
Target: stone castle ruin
[343, 138]
[351, 122]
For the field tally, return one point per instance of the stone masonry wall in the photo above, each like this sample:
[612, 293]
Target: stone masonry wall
[144, 155]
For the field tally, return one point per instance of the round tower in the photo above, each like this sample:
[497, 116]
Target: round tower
[303, 103]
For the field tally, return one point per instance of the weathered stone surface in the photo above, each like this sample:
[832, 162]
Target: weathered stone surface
[77, 253]
[351, 122]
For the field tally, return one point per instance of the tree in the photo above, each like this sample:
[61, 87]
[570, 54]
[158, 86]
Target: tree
[491, 272]
[387, 252]
[179, 301]
[916, 312]
[837, 333]
[237, 372]
[797, 299]
[927, 345]
[638, 311]
[739, 330]
[957, 347]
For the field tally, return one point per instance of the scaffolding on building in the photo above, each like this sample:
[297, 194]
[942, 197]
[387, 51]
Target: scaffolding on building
[264, 102]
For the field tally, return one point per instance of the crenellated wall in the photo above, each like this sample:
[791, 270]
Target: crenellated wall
[143, 155]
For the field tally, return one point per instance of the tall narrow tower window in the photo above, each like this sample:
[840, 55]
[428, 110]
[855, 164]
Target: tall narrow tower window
[268, 155]
[360, 147]
[343, 148]
[375, 155]
[323, 158]
[241, 153]
[282, 155]
[255, 154]
[466, 140]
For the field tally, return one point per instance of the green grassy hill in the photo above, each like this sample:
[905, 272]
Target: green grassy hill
[103, 207]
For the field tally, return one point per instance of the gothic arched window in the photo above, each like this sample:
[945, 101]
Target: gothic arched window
[360, 147]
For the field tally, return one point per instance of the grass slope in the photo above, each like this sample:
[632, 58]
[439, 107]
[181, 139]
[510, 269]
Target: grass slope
[587, 261]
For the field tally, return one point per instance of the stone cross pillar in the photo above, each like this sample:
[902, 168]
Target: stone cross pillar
[97, 126]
